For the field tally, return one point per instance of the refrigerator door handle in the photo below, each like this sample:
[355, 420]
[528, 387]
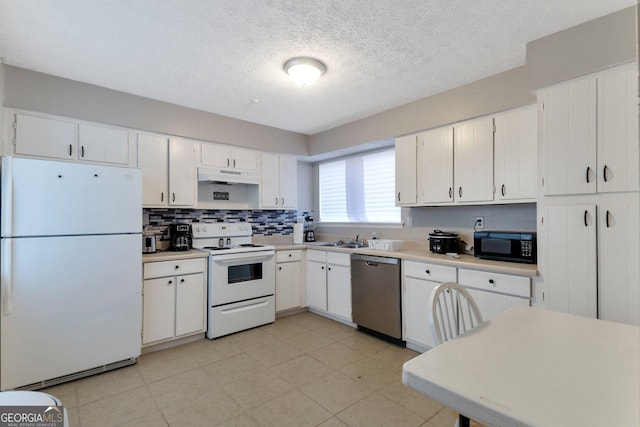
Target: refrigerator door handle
[6, 193]
[7, 282]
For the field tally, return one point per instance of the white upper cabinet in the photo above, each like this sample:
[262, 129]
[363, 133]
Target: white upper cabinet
[406, 186]
[569, 134]
[226, 156]
[103, 144]
[618, 131]
[168, 171]
[435, 166]
[38, 136]
[473, 161]
[278, 181]
[515, 148]
[60, 139]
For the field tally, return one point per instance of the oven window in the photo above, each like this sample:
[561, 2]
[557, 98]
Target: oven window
[496, 246]
[245, 273]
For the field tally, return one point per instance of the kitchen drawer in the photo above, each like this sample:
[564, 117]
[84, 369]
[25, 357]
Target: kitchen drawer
[336, 258]
[431, 272]
[174, 268]
[314, 255]
[495, 282]
[288, 256]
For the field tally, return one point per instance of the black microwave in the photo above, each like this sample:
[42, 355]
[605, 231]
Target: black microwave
[514, 246]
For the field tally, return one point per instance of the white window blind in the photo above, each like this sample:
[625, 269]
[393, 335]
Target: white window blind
[359, 189]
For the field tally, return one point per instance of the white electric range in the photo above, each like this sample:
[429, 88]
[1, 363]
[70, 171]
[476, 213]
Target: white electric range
[241, 278]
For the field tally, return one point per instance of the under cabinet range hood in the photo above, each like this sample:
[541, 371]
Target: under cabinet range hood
[228, 176]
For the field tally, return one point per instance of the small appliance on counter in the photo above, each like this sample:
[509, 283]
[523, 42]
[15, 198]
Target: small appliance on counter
[181, 237]
[514, 246]
[309, 230]
[148, 242]
[443, 242]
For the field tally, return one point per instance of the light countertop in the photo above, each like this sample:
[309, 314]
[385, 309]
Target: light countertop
[420, 255]
[424, 255]
[173, 255]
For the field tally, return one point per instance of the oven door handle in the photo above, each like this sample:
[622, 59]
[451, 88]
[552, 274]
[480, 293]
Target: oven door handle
[246, 307]
[243, 258]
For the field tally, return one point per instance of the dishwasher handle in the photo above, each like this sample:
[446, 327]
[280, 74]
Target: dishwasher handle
[374, 260]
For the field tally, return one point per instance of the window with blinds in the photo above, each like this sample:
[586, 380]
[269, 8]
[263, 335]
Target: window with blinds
[359, 189]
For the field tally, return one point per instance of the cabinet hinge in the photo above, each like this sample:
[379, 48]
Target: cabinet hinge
[542, 106]
[15, 131]
[494, 126]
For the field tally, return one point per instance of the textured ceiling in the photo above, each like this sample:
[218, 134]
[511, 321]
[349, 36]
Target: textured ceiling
[222, 55]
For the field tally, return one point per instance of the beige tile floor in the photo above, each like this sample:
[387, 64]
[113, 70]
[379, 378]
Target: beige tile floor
[302, 370]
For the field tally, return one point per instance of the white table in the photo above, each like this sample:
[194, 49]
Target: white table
[536, 367]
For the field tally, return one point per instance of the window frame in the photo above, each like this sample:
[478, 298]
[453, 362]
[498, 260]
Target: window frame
[358, 224]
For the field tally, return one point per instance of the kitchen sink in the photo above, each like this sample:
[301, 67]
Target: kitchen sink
[342, 244]
[353, 245]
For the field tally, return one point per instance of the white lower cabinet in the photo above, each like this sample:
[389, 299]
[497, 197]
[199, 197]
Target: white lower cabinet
[289, 284]
[494, 292]
[419, 281]
[174, 300]
[591, 259]
[329, 283]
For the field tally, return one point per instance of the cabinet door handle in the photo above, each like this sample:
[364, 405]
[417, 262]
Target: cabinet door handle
[234, 163]
[282, 202]
[181, 280]
[290, 255]
[450, 192]
[493, 284]
[170, 282]
[228, 162]
[587, 174]
[398, 196]
[586, 213]
[322, 268]
[329, 268]
[70, 149]
[82, 151]
[460, 191]
[279, 268]
[503, 190]
[276, 201]
[174, 196]
[162, 196]
[604, 173]
[606, 219]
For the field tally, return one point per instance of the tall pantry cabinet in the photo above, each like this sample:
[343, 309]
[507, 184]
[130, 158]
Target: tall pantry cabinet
[588, 209]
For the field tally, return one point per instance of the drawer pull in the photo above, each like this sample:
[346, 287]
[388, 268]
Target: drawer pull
[181, 280]
[177, 267]
[492, 282]
[428, 271]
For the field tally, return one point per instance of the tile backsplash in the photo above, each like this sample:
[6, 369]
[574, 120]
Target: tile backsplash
[263, 222]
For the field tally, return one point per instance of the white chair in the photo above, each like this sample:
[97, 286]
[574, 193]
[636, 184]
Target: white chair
[453, 312]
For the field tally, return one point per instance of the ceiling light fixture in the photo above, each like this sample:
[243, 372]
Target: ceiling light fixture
[304, 71]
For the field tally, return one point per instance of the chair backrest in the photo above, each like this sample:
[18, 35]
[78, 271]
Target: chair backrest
[453, 311]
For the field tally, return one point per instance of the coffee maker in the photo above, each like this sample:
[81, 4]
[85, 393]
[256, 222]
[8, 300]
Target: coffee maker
[181, 237]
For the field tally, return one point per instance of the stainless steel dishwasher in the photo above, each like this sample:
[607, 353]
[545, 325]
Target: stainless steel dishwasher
[375, 295]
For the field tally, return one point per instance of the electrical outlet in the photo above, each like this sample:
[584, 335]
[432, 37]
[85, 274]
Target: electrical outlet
[479, 225]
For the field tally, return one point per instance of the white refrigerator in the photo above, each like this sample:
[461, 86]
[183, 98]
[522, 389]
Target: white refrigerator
[70, 270]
